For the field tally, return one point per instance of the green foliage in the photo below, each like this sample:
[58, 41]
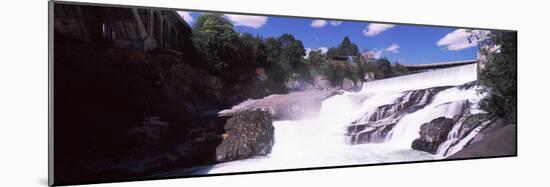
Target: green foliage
[332, 52]
[252, 51]
[284, 57]
[385, 68]
[315, 58]
[216, 41]
[499, 77]
[292, 50]
[346, 48]
[382, 68]
[334, 73]
[399, 69]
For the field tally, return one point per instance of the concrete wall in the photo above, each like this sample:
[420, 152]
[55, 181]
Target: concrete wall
[132, 28]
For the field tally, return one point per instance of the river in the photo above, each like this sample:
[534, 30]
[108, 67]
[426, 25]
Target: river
[394, 110]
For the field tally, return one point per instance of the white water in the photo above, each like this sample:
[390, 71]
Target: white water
[323, 142]
[455, 144]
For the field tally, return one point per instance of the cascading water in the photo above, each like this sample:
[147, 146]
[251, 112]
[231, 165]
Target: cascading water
[374, 125]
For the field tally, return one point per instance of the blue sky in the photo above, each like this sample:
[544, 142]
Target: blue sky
[408, 44]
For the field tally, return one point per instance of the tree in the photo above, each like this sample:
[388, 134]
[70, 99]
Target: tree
[371, 67]
[385, 67]
[315, 57]
[252, 51]
[334, 73]
[347, 48]
[399, 69]
[284, 57]
[332, 52]
[499, 76]
[292, 49]
[216, 41]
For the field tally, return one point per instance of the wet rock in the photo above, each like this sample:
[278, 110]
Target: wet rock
[298, 85]
[471, 123]
[368, 133]
[348, 84]
[321, 83]
[375, 126]
[500, 142]
[432, 134]
[493, 126]
[295, 105]
[247, 134]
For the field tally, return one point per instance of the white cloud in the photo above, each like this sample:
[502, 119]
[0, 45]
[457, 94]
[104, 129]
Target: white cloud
[247, 21]
[318, 23]
[458, 39]
[186, 16]
[376, 54]
[323, 50]
[376, 28]
[335, 23]
[393, 48]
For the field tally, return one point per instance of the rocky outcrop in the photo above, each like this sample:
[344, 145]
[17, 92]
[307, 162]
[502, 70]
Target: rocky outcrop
[501, 142]
[321, 83]
[471, 122]
[247, 134]
[294, 105]
[432, 134]
[348, 84]
[298, 85]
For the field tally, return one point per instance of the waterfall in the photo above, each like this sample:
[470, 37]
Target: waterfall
[442, 77]
[454, 143]
[374, 125]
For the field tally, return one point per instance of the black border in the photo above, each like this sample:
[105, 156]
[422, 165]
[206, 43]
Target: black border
[51, 170]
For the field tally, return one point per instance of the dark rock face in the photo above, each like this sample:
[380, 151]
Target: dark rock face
[247, 134]
[500, 142]
[471, 123]
[493, 126]
[432, 134]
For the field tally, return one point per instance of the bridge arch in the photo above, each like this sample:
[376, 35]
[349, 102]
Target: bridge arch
[157, 28]
[173, 40]
[165, 34]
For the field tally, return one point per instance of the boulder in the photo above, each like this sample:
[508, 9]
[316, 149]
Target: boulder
[247, 134]
[348, 84]
[298, 85]
[432, 134]
[321, 83]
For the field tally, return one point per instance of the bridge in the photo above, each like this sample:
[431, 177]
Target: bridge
[130, 28]
[438, 65]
